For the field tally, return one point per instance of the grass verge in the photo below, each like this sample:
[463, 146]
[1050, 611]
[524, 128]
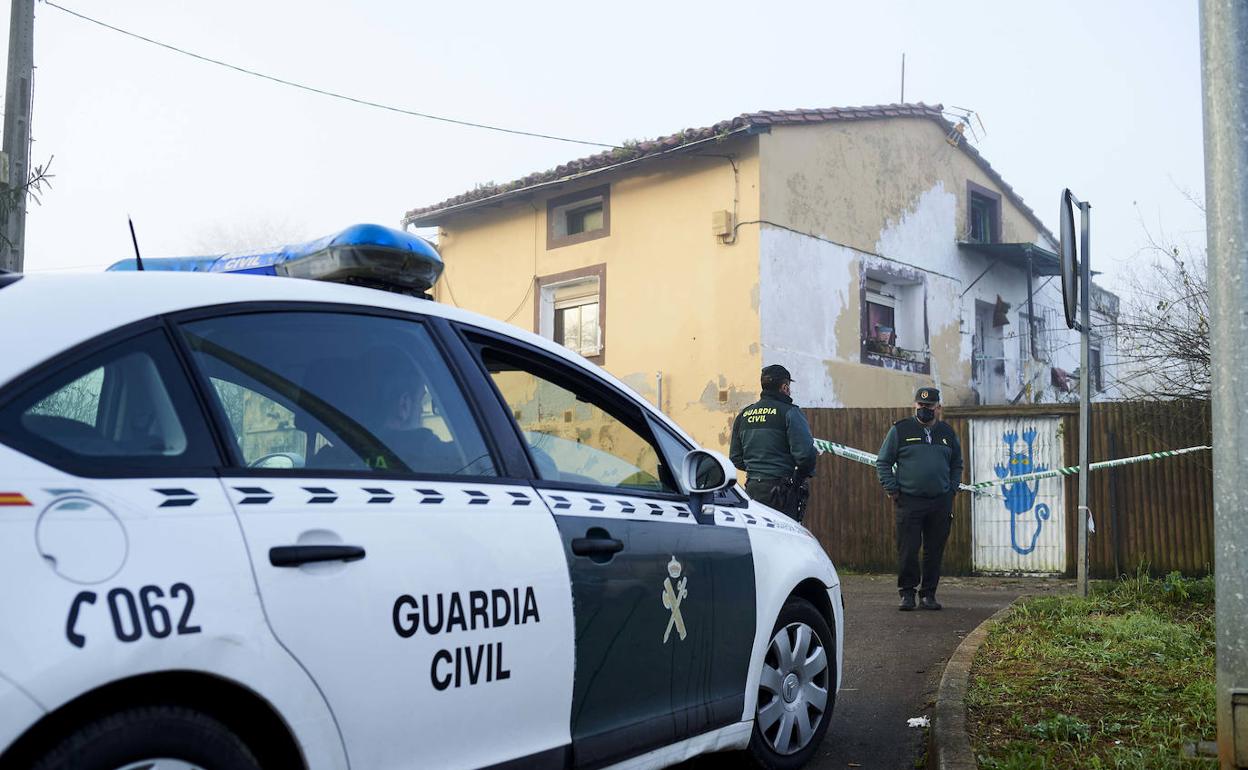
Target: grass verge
[1121, 679]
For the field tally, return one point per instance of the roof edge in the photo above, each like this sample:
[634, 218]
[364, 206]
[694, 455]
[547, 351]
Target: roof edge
[745, 124]
[431, 217]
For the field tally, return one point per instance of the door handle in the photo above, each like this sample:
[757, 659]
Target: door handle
[295, 555]
[596, 546]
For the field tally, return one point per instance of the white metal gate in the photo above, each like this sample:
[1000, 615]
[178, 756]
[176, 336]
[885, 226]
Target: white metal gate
[1018, 527]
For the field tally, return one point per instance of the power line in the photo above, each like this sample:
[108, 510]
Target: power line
[321, 91]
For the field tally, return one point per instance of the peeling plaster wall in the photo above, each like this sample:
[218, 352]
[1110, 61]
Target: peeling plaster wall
[810, 321]
[808, 290]
[891, 196]
[846, 181]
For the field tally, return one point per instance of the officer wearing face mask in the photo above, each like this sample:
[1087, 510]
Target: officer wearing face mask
[920, 467]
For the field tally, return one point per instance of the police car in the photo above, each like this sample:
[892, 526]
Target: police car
[252, 522]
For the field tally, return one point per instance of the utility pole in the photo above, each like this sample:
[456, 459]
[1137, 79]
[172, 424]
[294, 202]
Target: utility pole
[17, 98]
[1224, 72]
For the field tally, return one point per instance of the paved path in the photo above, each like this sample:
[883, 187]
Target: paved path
[893, 663]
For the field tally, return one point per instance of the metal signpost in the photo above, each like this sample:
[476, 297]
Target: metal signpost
[1224, 69]
[1076, 289]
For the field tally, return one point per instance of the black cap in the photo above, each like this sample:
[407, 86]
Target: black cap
[927, 396]
[775, 375]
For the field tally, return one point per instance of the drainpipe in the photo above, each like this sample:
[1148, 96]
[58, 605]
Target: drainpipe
[1031, 309]
[658, 387]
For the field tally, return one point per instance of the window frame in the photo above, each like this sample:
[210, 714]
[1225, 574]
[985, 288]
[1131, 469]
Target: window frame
[1096, 373]
[57, 457]
[558, 207]
[561, 373]
[509, 471]
[1036, 334]
[551, 282]
[973, 191]
[866, 352]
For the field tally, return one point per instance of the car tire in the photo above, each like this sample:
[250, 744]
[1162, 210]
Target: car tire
[797, 689]
[155, 737]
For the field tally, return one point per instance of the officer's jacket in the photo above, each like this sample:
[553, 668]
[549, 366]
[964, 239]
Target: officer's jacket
[771, 439]
[928, 460]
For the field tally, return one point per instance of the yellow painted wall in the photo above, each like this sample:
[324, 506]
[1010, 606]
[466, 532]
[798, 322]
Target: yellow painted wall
[851, 182]
[677, 299]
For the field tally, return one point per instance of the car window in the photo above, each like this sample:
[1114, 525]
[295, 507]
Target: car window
[675, 449]
[265, 429]
[338, 392]
[574, 434]
[126, 407]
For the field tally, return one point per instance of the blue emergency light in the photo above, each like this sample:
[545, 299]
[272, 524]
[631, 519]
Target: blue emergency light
[367, 255]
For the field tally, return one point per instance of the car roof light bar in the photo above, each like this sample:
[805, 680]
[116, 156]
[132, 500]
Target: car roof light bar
[368, 255]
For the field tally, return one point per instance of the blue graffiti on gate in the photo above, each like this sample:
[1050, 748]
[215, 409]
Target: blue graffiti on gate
[1020, 496]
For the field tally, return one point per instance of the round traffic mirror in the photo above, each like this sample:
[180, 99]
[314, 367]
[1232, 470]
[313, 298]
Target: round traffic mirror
[1070, 259]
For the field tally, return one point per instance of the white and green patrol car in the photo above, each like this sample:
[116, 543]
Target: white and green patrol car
[248, 522]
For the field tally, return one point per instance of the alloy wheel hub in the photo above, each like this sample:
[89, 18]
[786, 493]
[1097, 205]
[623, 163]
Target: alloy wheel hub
[791, 685]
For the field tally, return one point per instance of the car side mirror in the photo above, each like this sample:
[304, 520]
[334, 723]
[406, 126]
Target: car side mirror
[705, 473]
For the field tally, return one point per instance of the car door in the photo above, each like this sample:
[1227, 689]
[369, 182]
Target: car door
[424, 591]
[125, 548]
[664, 606]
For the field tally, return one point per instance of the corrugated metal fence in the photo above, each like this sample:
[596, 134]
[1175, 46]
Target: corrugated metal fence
[1159, 513]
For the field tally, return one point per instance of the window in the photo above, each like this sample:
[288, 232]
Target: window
[894, 321]
[125, 409]
[575, 435]
[1096, 384]
[585, 219]
[576, 317]
[983, 210]
[881, 315]
[571, 310]
[338, 392]
[578, 217]
[1041, 348]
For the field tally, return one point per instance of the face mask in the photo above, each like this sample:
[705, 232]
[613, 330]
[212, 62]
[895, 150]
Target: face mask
[925, 414]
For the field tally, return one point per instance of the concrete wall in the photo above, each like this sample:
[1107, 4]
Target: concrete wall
[842, 201]
[678, 300]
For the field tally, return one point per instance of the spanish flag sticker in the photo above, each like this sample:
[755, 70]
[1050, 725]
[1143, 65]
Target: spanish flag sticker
[13, 498]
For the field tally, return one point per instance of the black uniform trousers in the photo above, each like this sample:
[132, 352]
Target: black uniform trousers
[921, 521]
[773, 492]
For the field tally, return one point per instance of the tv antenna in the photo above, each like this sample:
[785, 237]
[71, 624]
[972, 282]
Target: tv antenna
[963, 119]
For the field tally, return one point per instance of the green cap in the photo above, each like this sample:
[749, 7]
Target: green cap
[927, 395]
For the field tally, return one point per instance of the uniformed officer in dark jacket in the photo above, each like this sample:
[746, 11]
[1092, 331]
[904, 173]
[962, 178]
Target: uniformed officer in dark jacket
[771, 442]
[928, 460]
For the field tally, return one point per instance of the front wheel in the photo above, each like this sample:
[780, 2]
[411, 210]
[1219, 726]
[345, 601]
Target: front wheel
[151, 738]
[796, 691]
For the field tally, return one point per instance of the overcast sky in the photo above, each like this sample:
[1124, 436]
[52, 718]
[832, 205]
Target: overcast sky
[1102, 97]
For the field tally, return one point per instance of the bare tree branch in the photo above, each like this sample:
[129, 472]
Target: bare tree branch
[39, 179]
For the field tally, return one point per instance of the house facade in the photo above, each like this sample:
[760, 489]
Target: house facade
[869, 250]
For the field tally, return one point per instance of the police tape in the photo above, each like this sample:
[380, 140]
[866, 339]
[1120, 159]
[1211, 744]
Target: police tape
[858, 455]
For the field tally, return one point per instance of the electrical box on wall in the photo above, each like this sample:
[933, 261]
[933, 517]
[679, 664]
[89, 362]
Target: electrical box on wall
[721, 223]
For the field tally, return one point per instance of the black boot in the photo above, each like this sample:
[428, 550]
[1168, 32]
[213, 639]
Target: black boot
[907, 601]
[929, 603]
